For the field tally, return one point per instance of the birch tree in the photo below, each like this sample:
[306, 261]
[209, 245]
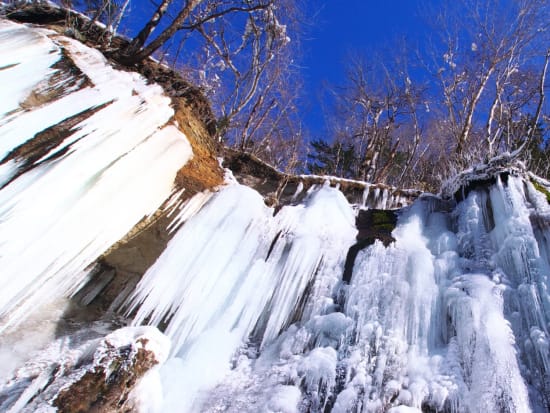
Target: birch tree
[487, 45]
[372, 110]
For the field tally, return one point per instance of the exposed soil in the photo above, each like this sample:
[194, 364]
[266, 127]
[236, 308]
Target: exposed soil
[203, 171]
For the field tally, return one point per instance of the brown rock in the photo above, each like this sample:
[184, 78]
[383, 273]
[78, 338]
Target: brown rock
[104, 387]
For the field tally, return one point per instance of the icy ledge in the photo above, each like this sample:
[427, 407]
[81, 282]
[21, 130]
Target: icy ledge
[483, 174]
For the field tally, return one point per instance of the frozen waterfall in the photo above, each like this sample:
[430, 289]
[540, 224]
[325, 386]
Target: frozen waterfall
[452, 317]
[75, 135]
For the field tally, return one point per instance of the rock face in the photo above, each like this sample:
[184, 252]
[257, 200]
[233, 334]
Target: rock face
[376, 224]
[372, 225]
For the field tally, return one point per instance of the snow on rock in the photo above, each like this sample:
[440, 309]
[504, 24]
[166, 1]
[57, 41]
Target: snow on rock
[120, 359]
[483, 174]
[79, 168]
[87, 369]
[282, 189]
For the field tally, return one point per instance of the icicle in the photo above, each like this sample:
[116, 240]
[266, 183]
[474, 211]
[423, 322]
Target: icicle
[90, 189]
[227, 266]
[365, 196]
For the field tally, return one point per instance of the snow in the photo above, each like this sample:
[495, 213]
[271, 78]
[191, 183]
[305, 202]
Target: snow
[142, 337]
[147, 395]
[285, 399]
[32, 54]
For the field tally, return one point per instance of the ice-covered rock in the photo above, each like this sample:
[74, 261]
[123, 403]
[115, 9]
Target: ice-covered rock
[92, 374]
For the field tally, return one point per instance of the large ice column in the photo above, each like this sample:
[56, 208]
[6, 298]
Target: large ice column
[392, 300]
[232, 270]
[482, 355]
[90, 187]
[525, 270]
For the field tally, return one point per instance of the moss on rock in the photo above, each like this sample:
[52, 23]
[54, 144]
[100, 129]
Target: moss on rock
[542, 189]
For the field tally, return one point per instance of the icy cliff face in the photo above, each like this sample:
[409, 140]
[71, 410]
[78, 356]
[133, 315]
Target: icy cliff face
[453, 316]
[85, 153]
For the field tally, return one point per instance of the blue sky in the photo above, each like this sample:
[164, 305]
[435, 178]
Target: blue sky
[335, 30]
[355, 26]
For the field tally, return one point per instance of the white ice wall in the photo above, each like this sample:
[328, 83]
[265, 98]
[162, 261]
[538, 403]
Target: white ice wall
[452, 315]
[119, 166]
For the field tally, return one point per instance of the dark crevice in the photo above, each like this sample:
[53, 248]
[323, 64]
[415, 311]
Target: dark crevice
[9, 66]
[489, 219]
[29, 153]
[273, 244]
[352, 254]
[463, 192]
[300, 306]
[372, 224]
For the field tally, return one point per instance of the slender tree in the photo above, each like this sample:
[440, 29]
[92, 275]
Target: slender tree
[487, 43]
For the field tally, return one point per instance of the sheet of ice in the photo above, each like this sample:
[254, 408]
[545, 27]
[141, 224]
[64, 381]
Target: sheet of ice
[452, 316]
[26, 57]
[92, 187]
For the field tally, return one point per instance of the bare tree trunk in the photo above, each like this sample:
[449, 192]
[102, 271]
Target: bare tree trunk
[135, 52]
[540, 104]
[138, 41]
[97, 15]
[541, 95]
[467, 127]
[119, 19]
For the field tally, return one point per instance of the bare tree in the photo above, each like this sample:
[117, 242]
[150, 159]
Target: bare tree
[372, 109]
[487, 43]
[193, 15]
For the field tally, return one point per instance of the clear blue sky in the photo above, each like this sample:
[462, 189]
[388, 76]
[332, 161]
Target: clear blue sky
[336, 29]
[354, 26]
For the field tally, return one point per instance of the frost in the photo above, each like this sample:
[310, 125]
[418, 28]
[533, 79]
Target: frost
[448, 58]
